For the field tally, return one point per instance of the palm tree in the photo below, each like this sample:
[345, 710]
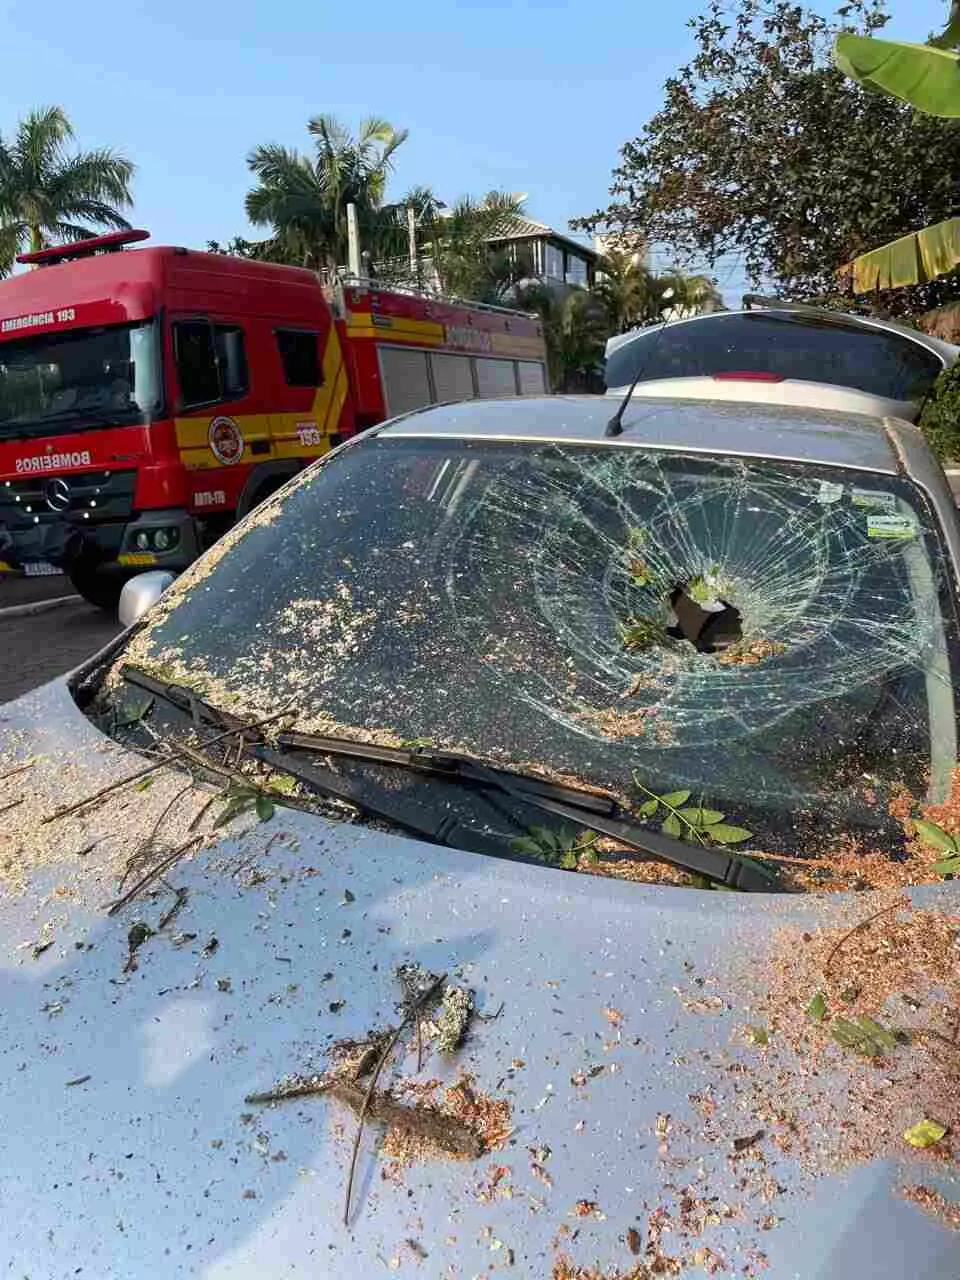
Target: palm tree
[304, 199]
[575, 329]
[457, 241]
[633, 295]
[49, 195]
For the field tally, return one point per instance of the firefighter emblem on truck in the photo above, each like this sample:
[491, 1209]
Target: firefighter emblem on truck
[226, 440]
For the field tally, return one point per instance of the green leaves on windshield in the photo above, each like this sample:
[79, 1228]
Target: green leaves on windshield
[240, 800]
[557, 848]
[688, 822]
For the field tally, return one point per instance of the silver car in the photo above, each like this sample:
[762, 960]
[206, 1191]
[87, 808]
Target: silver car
[524, 846]
[783, 354]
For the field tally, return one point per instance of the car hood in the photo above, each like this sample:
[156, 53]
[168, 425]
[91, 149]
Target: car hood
[651, 1121]
[787, 391]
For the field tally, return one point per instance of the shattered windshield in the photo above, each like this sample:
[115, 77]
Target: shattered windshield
[771, 636]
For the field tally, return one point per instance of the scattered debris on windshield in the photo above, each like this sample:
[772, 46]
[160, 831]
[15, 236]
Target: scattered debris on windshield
[748, 652]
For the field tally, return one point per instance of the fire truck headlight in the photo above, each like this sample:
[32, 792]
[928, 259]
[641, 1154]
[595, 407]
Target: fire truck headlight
[142, 541]
[161, 539]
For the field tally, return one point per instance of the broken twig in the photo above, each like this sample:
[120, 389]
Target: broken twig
[163, 865]
[165, 763]
[296, 1087]
[20, 768]
[412, 1011]
[452, 1135]
[171, 912]
[896, 906]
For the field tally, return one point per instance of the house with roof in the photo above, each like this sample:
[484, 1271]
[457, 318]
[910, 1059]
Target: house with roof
[550, 255]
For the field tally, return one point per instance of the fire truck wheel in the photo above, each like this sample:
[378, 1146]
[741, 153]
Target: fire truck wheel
[100, 587]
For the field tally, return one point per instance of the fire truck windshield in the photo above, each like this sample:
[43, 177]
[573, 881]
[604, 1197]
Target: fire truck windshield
[79, 379]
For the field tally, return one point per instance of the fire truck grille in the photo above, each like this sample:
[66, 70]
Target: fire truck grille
[93, 496]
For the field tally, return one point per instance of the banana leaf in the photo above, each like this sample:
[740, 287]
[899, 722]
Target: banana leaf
[913, 259]
[924, 75]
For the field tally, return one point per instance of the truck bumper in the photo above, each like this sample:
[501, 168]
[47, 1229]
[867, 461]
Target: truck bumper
[154, 540]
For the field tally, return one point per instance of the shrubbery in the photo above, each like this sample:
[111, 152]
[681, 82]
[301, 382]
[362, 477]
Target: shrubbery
[940, 420]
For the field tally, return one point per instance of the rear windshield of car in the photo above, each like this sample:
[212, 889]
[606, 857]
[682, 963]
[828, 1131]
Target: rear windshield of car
[533, 604]
[789, 346]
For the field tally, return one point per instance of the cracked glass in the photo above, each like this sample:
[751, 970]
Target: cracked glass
[778, 638]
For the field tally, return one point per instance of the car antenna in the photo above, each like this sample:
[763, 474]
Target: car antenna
[615, 425]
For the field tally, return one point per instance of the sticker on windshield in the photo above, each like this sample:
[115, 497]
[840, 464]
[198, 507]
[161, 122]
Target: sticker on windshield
[872, 498]
[829, 491]
[891, 527]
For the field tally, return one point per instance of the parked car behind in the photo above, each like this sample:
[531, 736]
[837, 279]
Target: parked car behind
[361, 901]
[783, 354]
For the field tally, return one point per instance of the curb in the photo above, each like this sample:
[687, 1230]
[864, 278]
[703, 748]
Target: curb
[37, 606]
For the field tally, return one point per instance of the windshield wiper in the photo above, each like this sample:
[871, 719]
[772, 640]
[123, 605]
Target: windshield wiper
[598, 813]
[594, 812]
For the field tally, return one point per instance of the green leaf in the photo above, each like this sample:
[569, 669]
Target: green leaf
[864, 1036]
[568, 860]
[922, 75]
[526, 844]
[265, 808]
[925, 1133]
[948, 867]
[935, 837]
[722, 833]
[817, 1008]
[757, 1035]
[701, 817]
[675, 798]
[648, 808]
[548, 839]
[136, 713]
[671, 827]
[145, 783]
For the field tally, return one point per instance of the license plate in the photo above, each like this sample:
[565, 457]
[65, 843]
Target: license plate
[40, 569]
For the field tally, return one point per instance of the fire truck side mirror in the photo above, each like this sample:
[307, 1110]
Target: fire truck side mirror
[142, 593]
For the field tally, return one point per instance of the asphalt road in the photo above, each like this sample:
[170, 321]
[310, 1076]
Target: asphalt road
[36, 647]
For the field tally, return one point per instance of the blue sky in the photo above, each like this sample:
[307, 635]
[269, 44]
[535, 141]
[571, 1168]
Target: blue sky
[533, 97]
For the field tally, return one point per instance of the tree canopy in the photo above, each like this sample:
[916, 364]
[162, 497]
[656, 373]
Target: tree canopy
[765, 149]
[303, 199]
[48, 194]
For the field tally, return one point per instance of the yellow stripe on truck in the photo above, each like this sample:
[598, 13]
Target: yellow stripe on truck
[280, 429]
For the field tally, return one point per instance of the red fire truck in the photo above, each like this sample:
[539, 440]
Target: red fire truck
[150, 397]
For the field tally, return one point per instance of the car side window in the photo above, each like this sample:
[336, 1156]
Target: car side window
[211, 362]
[299, 357]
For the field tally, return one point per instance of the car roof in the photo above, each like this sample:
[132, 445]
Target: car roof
[711, 427]
[945, 351]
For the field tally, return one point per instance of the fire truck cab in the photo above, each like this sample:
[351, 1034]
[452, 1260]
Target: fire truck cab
[150, 397]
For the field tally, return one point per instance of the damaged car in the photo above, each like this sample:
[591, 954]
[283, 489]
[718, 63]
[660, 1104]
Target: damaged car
[527, 844]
